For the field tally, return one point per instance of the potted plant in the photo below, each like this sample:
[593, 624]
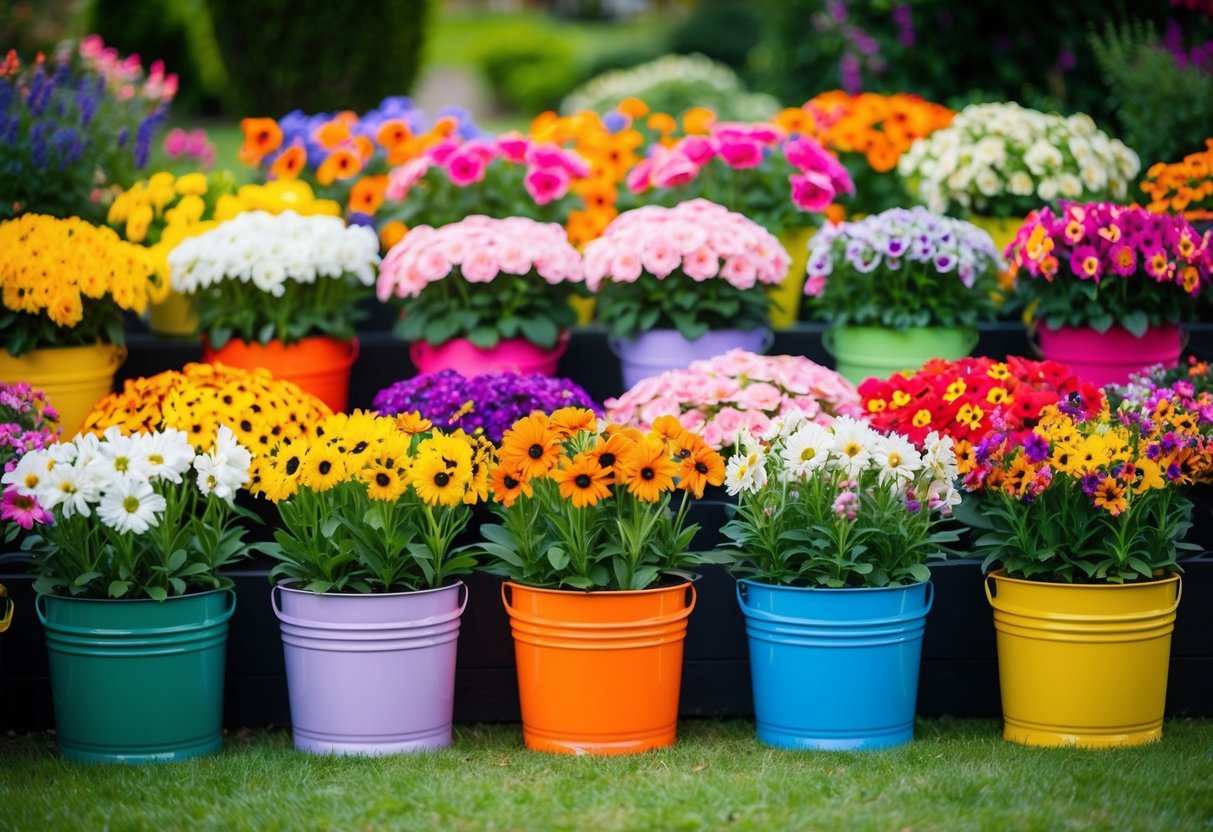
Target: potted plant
[65, 286]
[161, 211]
[487, 404]
[484, 294]
[130, 533]
[779, 179]
[717, 398]
[679, 284]
[367, 595]
[834, 527]
[1084, 522]
[999, 161]
[79, 124]
[280, 292]
[1108, 285]
[598, 591]
[899, 288]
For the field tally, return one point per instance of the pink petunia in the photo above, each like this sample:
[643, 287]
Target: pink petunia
[466, 167]
[546, 185]
[741, 154]
[811, 191]
[23, 510]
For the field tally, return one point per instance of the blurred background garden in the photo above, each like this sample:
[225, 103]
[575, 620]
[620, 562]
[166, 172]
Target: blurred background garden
[1141, 70]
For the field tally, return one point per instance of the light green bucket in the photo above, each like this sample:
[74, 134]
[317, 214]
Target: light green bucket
[861, 352]
[137, 680]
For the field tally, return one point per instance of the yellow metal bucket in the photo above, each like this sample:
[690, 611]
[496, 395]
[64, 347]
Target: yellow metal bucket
[1083, 664]
[73, 378]
[788, 294]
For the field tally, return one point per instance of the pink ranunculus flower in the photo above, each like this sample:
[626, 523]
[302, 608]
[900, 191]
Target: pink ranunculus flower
[701, 264]
[740, 271]
[760, 396]
[403, 178]
[741, 154]
[479, 266]
[729, 420]
[627, 267]
[659, 257]
[811, 191]
[547, 184]
[673, 169]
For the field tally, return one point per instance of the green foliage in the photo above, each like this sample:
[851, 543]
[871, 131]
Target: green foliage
[512, 306]
[317, 56]
[1163, 110]
[527, 65]
[23, 332]
[679, 302]
[1061, 537]
[235, 309]
[341, 540]
[701, 31]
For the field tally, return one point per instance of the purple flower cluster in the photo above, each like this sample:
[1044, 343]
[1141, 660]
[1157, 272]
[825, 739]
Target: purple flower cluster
[489, 403]
[27, 422]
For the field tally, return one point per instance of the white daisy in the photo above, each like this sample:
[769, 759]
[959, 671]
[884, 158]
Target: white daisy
[745, 472]
[852, 445]
[225, 468]
[806, 450]
[30, 471]
[939, 456]
[68, 487]
[130, 506]
[167, 454]
[118, 457]
[897, 459]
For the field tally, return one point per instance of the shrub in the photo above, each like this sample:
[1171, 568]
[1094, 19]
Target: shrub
[528, 66]
[318, 56]
[701, 31]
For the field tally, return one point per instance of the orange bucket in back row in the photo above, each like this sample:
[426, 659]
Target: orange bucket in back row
[319, 365]
[598, 672]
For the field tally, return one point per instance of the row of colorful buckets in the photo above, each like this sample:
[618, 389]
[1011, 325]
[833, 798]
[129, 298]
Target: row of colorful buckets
[600, 672]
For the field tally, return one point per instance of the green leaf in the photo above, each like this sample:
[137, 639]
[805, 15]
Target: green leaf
[1135, 321]
[157, 593]
[118, 588]
[558, 557]
[920, 572]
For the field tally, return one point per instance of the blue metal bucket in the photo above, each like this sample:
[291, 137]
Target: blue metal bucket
[834, 669]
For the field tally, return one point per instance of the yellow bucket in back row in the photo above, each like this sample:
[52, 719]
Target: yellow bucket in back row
[1083, 664]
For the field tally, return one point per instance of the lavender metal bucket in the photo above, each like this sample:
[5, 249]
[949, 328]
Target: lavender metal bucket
[370, 674]
[652, 353]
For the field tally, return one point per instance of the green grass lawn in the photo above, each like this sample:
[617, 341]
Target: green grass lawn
[958, 774]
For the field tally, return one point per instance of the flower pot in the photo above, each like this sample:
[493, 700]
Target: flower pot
[370, 674]
[789, 293]
[834, 669]
[8, 610]
[1110, 357]
[137, 680]
[861, 352]
[658, 350]
[319, 365]
[73, 378]
[598, 672]
[173, 316]
[1082, 664]
[516, 355]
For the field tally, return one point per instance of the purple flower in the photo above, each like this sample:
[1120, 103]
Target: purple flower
[615, 121]
[1035, 447]
[496, 400]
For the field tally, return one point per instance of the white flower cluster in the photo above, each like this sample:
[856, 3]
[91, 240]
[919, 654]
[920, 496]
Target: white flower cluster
[267, 250]
[116, 476]
[850, 452]
[992, 151]
[715, 80]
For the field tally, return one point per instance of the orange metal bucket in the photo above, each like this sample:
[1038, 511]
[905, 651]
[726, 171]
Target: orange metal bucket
[598, 672]
[319, 365]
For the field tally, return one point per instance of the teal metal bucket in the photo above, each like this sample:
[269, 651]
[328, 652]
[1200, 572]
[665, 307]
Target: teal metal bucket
[834, 669]
[862, 352]
[137, 680]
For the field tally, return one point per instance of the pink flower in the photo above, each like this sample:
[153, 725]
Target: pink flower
[513, 146]
[728, 421]
[761, 395]
[692, 420]
[432, 265]
[811, 191]
[640, 177]
[403, 178]
[466, 166]
[626, 267]
[1124, 260]
[440, 152]
[673, 169]
[1085, 263]
[741, 154]
[740, 271]
[546, 185]
[659, 257]
[91, 46]
[815, 285]
[757, 422]
[479, 266]
[699, 149]
[23, 510]
[701, 264]
[807, 154]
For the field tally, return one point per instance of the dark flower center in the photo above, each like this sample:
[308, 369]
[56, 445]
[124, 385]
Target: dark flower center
[359, 448]
[701, 467]
[442, 478]
[510, 482]
[292, 465]
[324, 467]
[606, 460]
[647, 473]
[535, 451]
[383, 480]
[246, 426]
[582, 480]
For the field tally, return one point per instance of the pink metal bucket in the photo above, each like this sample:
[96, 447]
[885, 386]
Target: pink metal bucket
[1110, 357]
[512, 355]
[370, 674]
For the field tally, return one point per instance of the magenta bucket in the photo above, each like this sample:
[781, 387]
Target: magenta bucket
[514, 355]
[652, 353]
[370, 674]
[1110, 357]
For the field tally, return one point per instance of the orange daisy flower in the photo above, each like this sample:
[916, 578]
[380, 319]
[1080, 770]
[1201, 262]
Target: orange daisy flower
[262, 136]
[648, 471]
[508, 484]
[532, 445]
[570, 421]
[702, 468]
[583, 481]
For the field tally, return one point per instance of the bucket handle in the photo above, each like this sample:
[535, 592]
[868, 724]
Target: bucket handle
[40, 604]
[8, 614]
[809, 622]
[1057, 616]
[433, 620]
[507, 599]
